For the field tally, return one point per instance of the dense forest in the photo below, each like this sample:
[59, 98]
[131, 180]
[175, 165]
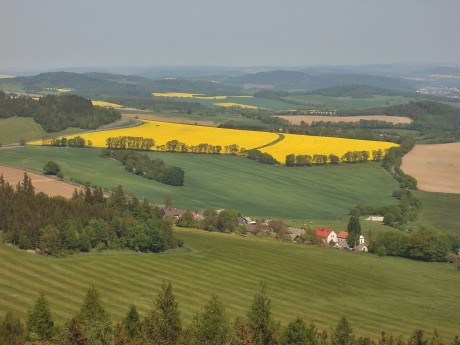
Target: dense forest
[55, 113]
[162, 325]
[89, 220]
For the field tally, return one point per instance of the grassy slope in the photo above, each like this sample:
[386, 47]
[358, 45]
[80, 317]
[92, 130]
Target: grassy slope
[343, 103]
[14, 129]
[214, 181]
[318, 284]
[440, 211]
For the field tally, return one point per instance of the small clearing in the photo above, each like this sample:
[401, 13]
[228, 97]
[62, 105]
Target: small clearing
[297, 119]
[46, 184]
[436, 167]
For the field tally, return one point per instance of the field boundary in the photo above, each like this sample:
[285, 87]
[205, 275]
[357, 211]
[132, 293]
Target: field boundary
[274, 142]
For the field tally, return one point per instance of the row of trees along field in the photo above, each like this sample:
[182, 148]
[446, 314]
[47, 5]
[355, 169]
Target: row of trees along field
[55, 113]
[89, 220]
[143, 165]
[162, 325]
[293, 160]
[407, 209]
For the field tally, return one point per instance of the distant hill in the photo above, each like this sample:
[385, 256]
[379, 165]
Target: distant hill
[299, 81]
[354, 91]
[102, 85]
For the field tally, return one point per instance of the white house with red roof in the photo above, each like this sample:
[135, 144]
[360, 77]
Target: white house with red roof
[326, 235]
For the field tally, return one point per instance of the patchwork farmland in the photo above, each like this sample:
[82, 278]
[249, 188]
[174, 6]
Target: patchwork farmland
[163, 132]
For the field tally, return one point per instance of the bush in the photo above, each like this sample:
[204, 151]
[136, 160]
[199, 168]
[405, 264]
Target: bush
[51, 168]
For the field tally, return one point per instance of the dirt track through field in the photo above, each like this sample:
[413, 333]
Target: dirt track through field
[436, 167]
[48, 185]
[296, 119]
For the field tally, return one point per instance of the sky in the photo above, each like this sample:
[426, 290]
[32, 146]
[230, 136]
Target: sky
[52, 34]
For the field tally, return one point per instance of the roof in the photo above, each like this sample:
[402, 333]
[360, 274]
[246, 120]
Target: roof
[342, 234]
[323, 232]
[173, 212]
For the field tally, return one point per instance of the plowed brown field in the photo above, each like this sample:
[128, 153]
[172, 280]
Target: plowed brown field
[48, 185]
[436, 167]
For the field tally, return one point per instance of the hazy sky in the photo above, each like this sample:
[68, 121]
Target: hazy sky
[48, 34]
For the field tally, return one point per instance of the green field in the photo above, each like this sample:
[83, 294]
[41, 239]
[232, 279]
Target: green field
[440, 211]
[345, 103]
[218, 181]
[254, 101]
[13, 129]
[317, 284]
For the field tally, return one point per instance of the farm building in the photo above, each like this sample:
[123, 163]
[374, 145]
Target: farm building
[295, 233]
[326, 235]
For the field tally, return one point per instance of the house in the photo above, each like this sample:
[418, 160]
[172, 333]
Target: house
[342, 239]
[247, 220]
[375, 218]
[295, 233]
[326, 235]
[173, 212]
[361, 248]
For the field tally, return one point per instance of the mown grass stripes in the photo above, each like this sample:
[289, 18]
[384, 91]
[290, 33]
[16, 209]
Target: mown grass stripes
[318, 284]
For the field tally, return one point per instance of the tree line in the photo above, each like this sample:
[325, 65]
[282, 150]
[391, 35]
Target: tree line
[407, 208]
[76, 141]
[88, 220]
[163, 325]
[423, 244]
[293, 160]
[143, 165]
[55, 113]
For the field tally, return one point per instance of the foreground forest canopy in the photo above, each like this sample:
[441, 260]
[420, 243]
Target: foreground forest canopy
[211, 325]
[89, 220]
[55, 113]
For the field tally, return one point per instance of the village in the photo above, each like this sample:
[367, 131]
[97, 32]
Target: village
[277, 229]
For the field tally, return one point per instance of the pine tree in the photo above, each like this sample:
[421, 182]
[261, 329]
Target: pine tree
[342, 334]
[162, 324]
[12, 330]
[297, 333]
[211, 326]
[260, 319]
[94, 320]
[40, 324]
[73, 334]
[132, 324]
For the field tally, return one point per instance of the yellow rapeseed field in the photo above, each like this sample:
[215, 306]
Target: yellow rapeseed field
[314, 145]
[177, 94]
[106, 104]
[163, 132]
[231, 104]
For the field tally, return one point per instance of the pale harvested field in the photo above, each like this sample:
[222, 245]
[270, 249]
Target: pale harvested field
[436, 167]
[45, 184]
[296, 119]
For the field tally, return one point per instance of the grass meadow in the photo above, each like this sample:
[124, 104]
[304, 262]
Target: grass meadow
[440, 211]
[318, 284]
[238, 183]
[13, 129]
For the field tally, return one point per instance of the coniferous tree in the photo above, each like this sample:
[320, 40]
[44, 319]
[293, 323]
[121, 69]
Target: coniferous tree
[73, 334]
[297, 333]
[12, 330]
[342, 334]
[260, 319]
[354, 230]
[132, 323]
[162, 324]
[94, 320]
[211, 327]
[40, 324]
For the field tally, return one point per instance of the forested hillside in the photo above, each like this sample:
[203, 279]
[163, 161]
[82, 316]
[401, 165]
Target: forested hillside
[56, 113]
